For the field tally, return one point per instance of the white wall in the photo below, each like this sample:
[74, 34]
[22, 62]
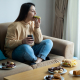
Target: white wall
[9, 10]
[44, 9]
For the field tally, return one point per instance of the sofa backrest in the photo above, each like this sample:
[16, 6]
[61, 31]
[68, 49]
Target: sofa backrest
[3, 30]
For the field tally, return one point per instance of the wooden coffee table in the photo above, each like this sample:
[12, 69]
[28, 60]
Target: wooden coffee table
[39, 73]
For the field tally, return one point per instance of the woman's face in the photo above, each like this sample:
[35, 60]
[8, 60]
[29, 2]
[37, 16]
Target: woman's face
[31, 13]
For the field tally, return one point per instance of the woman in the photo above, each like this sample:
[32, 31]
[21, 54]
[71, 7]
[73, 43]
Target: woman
[18, 45]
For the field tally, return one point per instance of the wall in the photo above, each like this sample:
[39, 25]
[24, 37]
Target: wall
[9, 10]
[44, 9]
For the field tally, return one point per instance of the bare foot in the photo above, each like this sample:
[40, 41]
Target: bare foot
[38, 60]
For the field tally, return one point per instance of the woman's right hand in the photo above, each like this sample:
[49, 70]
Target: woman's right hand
[27, 40]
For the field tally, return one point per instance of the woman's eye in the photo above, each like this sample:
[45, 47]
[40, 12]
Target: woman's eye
[33, 11]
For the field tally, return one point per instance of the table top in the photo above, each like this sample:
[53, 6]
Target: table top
[39, 73]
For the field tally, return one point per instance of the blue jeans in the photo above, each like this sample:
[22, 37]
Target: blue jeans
[25, 52]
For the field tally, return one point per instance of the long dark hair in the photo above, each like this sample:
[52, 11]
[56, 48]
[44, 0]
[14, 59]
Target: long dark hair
[24, 11]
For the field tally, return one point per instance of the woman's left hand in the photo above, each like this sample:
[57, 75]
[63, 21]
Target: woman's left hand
[37, 22]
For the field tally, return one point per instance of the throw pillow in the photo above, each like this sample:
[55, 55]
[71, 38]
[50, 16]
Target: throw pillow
[2, 56]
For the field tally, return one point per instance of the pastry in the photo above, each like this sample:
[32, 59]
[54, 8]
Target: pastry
[56, 71]
[57, 76]
[37, 17]
[76, 72]
[60, 71]
[11, 63]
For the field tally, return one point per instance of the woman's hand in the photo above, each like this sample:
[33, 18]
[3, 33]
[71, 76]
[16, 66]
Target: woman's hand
[37, 22]
[27, 40]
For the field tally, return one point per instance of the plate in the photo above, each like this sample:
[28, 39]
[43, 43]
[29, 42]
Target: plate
[6, 68]
[71, 73]
[59, 73]
[66, 65]
[62, 78]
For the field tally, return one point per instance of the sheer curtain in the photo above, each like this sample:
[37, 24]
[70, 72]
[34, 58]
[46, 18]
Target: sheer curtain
[72, 25]
[78, 54]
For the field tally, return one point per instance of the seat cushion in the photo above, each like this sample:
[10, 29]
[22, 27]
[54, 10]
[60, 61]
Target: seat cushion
[45, 63]
[54, 56]
[53, 59]
[20, 67]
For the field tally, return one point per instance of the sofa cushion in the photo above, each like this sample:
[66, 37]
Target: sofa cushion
[45, 63]
[2, 56]
[3, 31]
[54, 56]
[20, 67]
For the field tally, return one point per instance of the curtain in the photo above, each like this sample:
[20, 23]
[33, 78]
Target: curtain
[60, 7]
[72, 25]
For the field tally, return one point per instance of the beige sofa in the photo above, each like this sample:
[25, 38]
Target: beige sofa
[61, 49]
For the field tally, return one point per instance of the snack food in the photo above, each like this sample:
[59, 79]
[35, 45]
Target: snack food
[3, 64]
[49, 77]
[58, 69]
[3, 67]
[76, 72]
[57, 76]
[37, 17]
[69, 62]
[8, 65]
[11, 63]
[8, 62]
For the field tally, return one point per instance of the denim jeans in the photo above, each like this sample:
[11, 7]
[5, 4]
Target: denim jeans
[25, 52]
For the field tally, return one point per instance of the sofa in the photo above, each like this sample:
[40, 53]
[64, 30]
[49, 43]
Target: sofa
[62, 49]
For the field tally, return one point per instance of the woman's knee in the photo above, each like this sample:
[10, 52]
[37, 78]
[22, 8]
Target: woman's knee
[24, 48]
[48, 42]
[23, 52]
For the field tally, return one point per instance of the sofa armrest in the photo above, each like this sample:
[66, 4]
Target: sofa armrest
[61, 47]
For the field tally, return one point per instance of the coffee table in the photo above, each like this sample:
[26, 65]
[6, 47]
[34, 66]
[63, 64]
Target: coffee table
[39, 73]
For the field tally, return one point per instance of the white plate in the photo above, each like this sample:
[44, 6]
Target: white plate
[66, 65]
[71, 73]
[59, 73]
[6, 68]
[62, 78]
